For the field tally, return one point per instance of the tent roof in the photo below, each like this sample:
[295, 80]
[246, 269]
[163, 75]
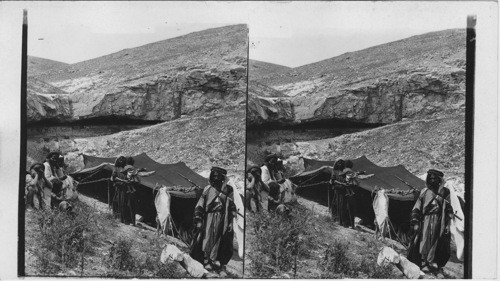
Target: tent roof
[165, 174]
[383, 177]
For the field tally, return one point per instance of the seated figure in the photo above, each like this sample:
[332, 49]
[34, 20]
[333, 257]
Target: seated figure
[37, 185]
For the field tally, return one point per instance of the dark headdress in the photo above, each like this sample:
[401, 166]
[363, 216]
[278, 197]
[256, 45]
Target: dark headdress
[217, 177]
[271, 157]
[435, 172]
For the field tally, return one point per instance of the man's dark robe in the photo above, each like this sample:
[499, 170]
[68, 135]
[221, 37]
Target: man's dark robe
[214, 242]
[122, 201]
[341, 195]
[431, 244]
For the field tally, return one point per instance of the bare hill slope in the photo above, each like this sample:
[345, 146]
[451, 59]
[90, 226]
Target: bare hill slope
[261, 70]
[421, 76]
[193, 74]
[37, 66]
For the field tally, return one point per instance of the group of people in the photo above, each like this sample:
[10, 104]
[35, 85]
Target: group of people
[267, 190]
[49, 183]
[125, 178]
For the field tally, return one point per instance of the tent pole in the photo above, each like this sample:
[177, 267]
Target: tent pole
[109, 195]
[328, 198]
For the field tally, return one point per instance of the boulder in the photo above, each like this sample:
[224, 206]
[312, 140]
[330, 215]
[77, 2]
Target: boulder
[389, 256]
[193, 267]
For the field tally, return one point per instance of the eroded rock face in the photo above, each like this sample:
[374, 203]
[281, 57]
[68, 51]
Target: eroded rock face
[191, 92]
[48, 107]
[263, 110]
[417, 95]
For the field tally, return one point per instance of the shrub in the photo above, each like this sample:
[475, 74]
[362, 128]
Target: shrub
[338, 263]
[64, 238]
[120, 256]
[336, 259]
[279, 242]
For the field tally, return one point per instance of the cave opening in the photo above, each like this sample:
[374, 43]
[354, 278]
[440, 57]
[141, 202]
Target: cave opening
[96, 126]
[305, 131]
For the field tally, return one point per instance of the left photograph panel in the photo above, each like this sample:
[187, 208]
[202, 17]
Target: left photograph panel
[135, 142]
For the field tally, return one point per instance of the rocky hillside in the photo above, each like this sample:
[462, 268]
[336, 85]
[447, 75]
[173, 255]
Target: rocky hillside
[196, 74]
[418, 145]
[37, 66]
[261, 70]
[418, 77]
[200, 142]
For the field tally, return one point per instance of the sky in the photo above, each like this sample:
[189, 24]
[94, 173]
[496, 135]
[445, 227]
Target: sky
[286, 33]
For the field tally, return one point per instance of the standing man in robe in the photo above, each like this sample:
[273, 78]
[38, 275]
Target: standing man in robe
[338, 206]
[430, 219]
[213, 220]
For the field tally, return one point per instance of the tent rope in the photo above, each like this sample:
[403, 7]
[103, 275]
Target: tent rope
[91, 175]
[396, 234]
[313, 184]
[301, 184]
[94, 181]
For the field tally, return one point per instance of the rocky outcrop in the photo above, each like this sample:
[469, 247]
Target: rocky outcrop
[265, 110]
[193, 92]
[417, 95]
[48, 108]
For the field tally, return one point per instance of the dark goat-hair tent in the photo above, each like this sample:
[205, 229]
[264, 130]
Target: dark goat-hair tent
[94, 181]
[313, 183]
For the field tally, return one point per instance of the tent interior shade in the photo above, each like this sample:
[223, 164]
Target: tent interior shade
[389, 178]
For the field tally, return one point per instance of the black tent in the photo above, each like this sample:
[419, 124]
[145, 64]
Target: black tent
[313, 183]
[94, 181]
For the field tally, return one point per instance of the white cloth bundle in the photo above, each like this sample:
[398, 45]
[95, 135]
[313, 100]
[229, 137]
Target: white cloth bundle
[288, 187]
[238, 221]
[457, 224]
[381, 209]
[162, 204]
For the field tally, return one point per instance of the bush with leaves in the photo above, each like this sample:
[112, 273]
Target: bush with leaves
[120, 256]
[64, 237]
[279, 242]
[338, 263]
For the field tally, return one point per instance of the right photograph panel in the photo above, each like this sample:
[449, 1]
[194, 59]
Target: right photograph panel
[356, 149]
